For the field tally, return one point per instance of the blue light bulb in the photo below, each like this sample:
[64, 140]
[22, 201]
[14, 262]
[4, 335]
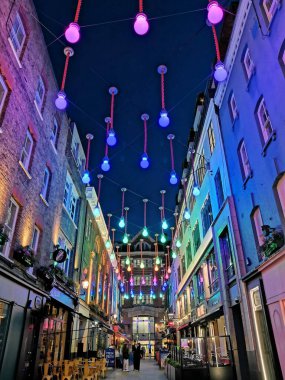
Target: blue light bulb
[105, 166]
[112, 256]
[111, 139]
[165, 284]
[86, 177]
[96, 211]
[163, 289]
[145, 232]
[186, 213]
[125, 239]
[144, 161]
[163, 120]
[173, 177]
[108, 244]
[164, 224]
[162, 238]
[178, 243]
[196, 190]
[122, 222]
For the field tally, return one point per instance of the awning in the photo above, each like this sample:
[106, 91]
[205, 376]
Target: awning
[208, 317]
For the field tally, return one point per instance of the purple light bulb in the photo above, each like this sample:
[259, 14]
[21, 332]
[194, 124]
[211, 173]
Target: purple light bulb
[141, 25]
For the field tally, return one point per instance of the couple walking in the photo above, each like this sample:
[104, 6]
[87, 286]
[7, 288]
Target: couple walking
[136, 350]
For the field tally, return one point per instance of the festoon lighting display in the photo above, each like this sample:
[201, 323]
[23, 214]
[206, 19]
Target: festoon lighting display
[141, 24]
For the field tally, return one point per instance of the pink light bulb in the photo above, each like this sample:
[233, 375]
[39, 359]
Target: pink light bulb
[141, 25]
[119, 277]
[143, 281]
[72, 33]
[215, 12]
[169, 270]
[166, 276]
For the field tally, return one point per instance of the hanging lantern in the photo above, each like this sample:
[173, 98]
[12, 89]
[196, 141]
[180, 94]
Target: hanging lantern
[117, 271]
[196, 190]
[173, 255]
[215, 12]
[157, 260]
[61, 102]
[145, 230]
[105, 166]
[128, 261]
[169, 270]
[85, 284]
[173, 177]
[220, 73]
[144, 158]
[86, 175]
[156, 268]
[143, 280]
[154, 281]
[125, 239]
[142, 265]
[122, 219]
[164, 224]
[129, 268]
[162, 238]
[72, 32]
[131, 281]
[111, 135]
[178, 243]
[141, 24]
[163, 116]
[186, 214]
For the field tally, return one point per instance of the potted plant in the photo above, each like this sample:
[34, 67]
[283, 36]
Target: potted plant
[25, 256]
[3, 236]
[47, 275]
[274, 239]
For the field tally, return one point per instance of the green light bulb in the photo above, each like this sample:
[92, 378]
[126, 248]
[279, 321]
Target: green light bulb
[145, 232]
[174, 255]
[128, 261]
[108, 244]
[125, 239]
[157, 260]
[162, 238]
[112, 256]
[178, 243]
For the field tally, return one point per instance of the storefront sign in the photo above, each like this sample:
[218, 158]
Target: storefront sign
[110, 357]
[61, 297]
[59, 255]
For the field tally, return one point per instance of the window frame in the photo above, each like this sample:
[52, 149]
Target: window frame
[261, 110]
[39, 100]
[248, 69]
[219, 188]
[5, 93]
[207, 205]
[11, 230]
[269, 13]
[233, 107]
[46, 183]
[211, 138]
[18, 48]
[54, 136]
[38, 234]
[244, 164]
[27, 163]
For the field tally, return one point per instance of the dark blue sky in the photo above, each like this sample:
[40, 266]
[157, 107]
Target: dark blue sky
[112, 54]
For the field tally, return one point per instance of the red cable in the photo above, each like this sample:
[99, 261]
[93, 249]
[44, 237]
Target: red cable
[216, 43]
[184, 188]
[77, 11]
[65, 71]
[126, 221]
[145, 214]
[87, 156]
[113, 237]
[162, 91]
[106, 150]
[112, 108]
[99, 190]
[141, 6]
[171, 154]
[123, 202]
[145, 136]
[162, 201]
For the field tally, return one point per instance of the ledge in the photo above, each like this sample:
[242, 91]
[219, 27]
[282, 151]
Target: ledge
[271, 138]
[247, 179]
[25, 170]
[38, 111]
[44, 200]
[15, 53]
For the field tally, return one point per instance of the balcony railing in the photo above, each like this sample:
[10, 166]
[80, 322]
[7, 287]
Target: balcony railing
[230, 270]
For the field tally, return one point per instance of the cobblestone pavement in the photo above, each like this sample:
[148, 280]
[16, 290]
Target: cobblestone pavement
[149, 369]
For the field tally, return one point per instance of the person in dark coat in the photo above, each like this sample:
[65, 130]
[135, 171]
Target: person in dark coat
[125, 358]
[137, 356]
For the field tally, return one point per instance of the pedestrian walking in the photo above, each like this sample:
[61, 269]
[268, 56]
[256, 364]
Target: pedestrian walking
[125, 358]
[137, 356]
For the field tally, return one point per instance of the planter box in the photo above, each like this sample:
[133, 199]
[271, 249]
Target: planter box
[24, 259]
[222, 373]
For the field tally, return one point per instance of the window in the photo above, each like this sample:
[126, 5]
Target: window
[17, 35]
[257, 223]
[196, 237]
[5, 310]
[263, 120]
[45, 188]
[9, 226]
[248, 64]
[188, 254]
[211, 137]
[35, 239]
[201, 168]
[219, 188]
[27, 150]
[269, 8]
[226, 252]
[206, 215]
[71, 199]
[233, 107]
[40, 94]
[64, 244]
[200, 285]
[244, 162]
[3, 93]
[212, 273]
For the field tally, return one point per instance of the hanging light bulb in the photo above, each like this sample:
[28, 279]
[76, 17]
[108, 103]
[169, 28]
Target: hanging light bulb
[86, 177]
[160, 295]
[96, 212]
[157, 260]
[129, 268]
[143, 280]
[156, 268]
[141, 24]
[132, 281]
[154, 296]
[166, 276]
[164, 224]
[173, 177]
[144, 161]
[186, 214]
[220, 73]
[196, 190]
[142, 265]
[162, 238]
[60, 101]
[117, 270]
[105, 166]
[125, 239]
[163, 120]
[112, 256]
[140, 296]
[111, 139]
[122, 222]
[155, 281]
[169, 270]
[72, 33]
[119, 276]
[132, 294]
[145, 232]
[108, 244]
[128, 261]
[165, 284]
[215, 12]
[173, 255]
[163, 288]
[178, 243]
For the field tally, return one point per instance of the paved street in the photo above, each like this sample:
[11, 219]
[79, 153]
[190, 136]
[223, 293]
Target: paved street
[149, 369]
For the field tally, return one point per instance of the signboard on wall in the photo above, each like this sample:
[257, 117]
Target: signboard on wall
[184, 342]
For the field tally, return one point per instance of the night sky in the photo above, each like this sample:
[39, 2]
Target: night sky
[111, 54]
